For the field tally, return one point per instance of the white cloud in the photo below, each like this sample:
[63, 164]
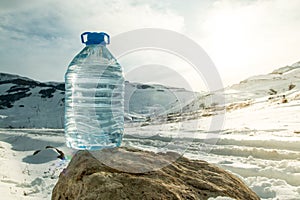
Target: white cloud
[14, 5]
[39, 38]
[40, 41]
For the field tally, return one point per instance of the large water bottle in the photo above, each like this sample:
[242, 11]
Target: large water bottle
[94, 104]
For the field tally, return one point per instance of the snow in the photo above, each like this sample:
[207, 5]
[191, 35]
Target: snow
[22, 175]
[262, 149]
[259, 141]
[35, 110]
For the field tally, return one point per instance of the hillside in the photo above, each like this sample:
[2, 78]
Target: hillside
[262, 88]
[26, 103]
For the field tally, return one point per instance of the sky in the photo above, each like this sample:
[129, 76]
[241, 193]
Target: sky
[242, 37]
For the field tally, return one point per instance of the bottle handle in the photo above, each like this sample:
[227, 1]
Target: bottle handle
[107, 36]
[82, 38]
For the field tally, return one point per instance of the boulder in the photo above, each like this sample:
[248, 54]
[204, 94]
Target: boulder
[123, 173]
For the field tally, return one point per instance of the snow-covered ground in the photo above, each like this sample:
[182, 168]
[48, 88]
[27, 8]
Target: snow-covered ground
[22, 174]
[259, 140]
[259, 143]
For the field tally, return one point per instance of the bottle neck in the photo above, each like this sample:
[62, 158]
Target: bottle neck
[101, 44]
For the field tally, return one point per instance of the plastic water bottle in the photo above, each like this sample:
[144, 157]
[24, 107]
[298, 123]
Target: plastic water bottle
[94, 101]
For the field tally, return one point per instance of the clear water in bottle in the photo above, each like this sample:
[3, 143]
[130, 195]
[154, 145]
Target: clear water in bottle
[94, 103]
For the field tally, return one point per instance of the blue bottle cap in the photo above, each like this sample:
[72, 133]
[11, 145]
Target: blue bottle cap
[95, 38]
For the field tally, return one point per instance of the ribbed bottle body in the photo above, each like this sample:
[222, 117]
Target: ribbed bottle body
[94, 101]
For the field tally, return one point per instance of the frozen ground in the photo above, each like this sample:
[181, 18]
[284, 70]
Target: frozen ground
[24, 175]
[259, 143]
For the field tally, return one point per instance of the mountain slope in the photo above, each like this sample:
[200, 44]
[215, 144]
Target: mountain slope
[262, 88]
[26, 103]
[281, 81]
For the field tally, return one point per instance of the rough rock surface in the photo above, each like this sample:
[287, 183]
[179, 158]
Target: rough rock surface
[87, 178]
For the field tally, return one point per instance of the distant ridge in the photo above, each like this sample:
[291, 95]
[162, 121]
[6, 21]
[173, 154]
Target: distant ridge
[26, 103]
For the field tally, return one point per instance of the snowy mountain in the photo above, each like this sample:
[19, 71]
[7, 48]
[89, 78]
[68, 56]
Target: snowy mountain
[259, 141]
[28, 103]
[282, 81]
[262, 88]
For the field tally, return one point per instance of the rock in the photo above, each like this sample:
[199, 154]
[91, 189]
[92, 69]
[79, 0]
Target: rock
[136, 174]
